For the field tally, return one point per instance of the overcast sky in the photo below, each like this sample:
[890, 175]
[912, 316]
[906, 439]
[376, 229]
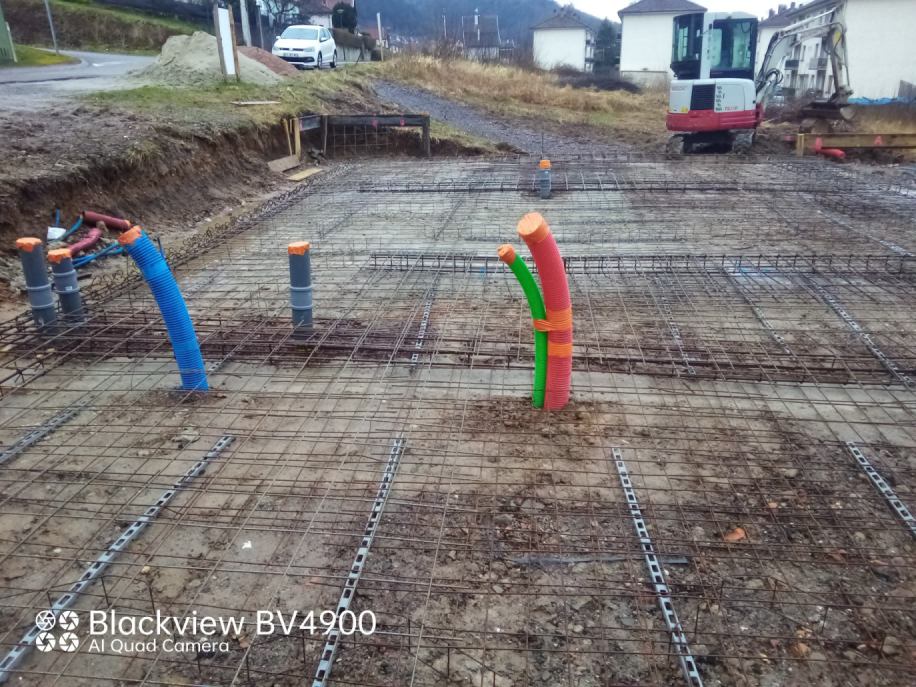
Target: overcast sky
[609, 8]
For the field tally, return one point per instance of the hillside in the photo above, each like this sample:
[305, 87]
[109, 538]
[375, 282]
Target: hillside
[90, 26]
[423, 18]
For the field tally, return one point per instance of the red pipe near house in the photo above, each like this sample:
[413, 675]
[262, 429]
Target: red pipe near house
[536, 234]
[116, 223]
[92, 237]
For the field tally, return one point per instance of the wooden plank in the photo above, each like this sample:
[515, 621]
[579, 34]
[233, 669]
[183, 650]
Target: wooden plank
[309, 122]
[396, 120]
[235, 47]
[304, 174]
[810, 141]
[219, 39]
[281, 164]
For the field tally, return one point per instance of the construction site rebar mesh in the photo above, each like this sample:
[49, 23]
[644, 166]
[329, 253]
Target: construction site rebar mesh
[742, 330]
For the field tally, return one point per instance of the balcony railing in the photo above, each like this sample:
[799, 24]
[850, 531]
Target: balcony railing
[792, 64]
[817, 63]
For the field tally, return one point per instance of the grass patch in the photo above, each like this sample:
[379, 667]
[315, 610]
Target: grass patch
[323, 92]
[29, 56]
[518, 92]
[125, 15]
[83, 25]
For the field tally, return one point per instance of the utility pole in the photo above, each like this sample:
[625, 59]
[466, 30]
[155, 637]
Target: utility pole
[51, 24]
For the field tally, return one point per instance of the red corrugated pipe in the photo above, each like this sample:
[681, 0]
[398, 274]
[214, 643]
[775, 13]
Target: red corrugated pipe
[116, 223]
[835, 153]
[536, 234]
[92, 237]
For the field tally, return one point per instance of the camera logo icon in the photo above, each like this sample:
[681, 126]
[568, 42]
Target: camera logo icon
[66, 622]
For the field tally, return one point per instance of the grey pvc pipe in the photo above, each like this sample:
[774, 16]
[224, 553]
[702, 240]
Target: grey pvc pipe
[300, 287]
[66, 285]
[32, 254]
[544, 182]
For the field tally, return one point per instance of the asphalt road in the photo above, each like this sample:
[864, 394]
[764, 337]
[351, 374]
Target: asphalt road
[36, 88]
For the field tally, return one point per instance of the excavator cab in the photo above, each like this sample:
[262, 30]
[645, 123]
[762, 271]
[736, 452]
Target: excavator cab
[713, 99]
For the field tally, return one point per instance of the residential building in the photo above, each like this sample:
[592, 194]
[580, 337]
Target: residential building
[480, 37]
[807, 72]
[882, 51]
[317, 12]
[565, 39]
[647, 27]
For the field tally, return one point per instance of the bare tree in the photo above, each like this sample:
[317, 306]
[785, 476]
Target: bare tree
[282, 11]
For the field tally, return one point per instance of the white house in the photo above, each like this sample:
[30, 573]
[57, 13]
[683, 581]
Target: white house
[647, 28]
[564, 40]
[317, 12]
[882, 51]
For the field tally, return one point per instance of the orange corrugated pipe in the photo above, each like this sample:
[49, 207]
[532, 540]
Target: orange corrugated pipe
[535, 232]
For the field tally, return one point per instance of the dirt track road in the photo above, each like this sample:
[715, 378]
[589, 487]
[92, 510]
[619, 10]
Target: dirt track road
[523, 135]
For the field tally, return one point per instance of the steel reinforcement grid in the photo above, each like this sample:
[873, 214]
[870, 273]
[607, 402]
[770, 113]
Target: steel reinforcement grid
[744, 338]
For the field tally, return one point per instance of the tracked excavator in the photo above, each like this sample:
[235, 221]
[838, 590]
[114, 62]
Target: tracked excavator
[717, 98]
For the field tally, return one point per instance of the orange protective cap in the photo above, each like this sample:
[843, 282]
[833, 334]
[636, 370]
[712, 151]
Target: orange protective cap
[28, 243]
[544, 164]
[129, 236]
[58, 255]
[533, 228]
[506, 253]
[299, 248]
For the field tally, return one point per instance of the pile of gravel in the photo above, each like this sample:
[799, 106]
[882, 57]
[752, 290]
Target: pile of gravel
[194, 61]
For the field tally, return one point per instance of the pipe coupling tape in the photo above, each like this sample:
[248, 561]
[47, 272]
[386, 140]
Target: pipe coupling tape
[40, 296]
[300, 297]
[65, 282]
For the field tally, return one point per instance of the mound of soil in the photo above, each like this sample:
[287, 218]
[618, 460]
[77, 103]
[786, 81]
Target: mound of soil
[272, 62]
[187, 61]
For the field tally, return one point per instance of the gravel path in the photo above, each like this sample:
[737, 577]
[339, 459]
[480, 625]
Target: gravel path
[520, 134]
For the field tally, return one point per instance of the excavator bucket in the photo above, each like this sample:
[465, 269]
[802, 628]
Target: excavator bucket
[835, 110]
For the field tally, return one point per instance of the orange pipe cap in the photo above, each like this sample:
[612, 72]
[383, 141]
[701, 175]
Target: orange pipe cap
[506, 253]
[533, 228]
[544, 164]
[299, 248]
[58, 255]
[28, 243]
[129, 236]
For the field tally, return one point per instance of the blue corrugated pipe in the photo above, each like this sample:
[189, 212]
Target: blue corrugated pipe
[113, 249]
[174, 311]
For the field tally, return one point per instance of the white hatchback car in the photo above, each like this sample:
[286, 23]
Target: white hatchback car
[306, 46]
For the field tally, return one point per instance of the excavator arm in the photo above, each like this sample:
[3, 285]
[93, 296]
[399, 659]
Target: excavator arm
[827, 25]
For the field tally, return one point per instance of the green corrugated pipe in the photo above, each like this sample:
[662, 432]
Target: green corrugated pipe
[536, 305]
